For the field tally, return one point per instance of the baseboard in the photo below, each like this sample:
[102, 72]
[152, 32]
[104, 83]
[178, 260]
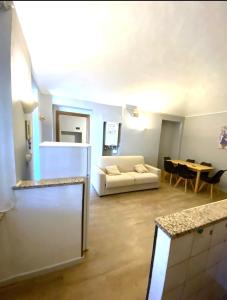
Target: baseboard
[41, 271]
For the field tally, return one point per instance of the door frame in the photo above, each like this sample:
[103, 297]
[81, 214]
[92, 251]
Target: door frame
[67, 113]
[178, 147]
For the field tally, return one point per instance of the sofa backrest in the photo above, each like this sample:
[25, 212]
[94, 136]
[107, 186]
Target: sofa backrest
[124, 163]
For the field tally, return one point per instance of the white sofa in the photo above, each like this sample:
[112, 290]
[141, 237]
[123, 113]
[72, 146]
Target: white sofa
[128, 180]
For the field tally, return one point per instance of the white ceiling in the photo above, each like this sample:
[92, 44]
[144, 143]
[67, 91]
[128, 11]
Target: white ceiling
[163, 56]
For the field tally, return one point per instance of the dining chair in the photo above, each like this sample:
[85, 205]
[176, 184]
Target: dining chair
[171, 169]
[190, 160]
[185, 174]
[205, 174]
[212, 181]
[166, 158]
[165, 173]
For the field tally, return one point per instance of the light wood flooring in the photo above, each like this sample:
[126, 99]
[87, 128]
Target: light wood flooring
[120, 243]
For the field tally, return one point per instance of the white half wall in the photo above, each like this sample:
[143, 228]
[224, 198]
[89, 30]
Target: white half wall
[43, 231]
[21, 91]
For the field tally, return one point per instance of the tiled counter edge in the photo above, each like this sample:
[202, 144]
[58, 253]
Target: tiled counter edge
[29, 184]
[190, 263]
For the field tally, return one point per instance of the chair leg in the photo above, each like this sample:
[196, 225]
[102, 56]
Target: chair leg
[211, 191]
[178, 181]
[170, 180]
[191, 182]
[185, 185]
[175, 177]
[201, 186]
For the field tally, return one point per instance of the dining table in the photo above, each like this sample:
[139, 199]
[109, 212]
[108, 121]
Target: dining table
[194, 167]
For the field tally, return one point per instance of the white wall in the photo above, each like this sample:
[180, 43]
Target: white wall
[21, 90]
[138, 141]
[45, 110]
[169, 141]
[7, 159]
[200, 141]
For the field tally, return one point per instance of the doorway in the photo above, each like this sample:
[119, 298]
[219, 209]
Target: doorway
[72, 127]
[169, 141]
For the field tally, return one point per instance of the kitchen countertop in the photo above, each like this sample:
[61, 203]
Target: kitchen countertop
[28, 184]
[1, 215]
[192, 219]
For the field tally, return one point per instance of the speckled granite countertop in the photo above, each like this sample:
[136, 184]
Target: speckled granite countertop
[191, 219]
[28, 184]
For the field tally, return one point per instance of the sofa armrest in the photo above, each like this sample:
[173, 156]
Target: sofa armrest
[154, 170]
[99, 180]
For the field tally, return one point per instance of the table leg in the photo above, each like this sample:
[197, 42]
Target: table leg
[197, 182]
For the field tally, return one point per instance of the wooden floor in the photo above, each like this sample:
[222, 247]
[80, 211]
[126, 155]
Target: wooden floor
[120, 241]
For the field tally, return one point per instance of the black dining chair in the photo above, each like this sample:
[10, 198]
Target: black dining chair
[190, 160]
[164, 159]
[205, 174]
[185, 174]
[212, 181]
[171, 169]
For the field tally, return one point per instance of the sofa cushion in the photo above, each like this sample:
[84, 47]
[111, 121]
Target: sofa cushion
[142, 178]
[140, 168]
[124, 163]
[119, 180]
[112, 170]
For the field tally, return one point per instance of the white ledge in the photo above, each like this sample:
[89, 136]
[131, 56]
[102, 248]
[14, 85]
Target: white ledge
[62, 144]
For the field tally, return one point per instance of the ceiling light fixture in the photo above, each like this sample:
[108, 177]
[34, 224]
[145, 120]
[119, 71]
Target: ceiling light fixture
[132, 110]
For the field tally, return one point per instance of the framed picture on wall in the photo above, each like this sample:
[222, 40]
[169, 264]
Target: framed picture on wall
[223, 138]
[111, 134]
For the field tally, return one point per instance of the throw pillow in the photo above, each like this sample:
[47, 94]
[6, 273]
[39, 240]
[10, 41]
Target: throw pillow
[140, 168]
[112, 170]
